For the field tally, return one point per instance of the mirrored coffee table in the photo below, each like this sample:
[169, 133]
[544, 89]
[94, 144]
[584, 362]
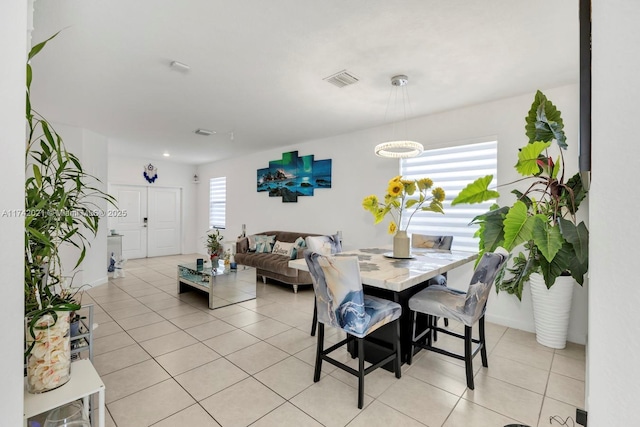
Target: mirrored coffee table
[223, 286]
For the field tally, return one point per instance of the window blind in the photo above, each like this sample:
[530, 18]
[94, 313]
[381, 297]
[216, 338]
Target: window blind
[217, 202]
[452, 168]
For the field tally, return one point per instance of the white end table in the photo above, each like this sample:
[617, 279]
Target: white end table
[84, 382]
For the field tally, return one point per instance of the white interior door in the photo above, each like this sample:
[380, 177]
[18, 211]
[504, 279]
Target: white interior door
[131, 200]
[164, 206]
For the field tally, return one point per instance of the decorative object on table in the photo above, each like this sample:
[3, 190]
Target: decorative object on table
[199, 264]
[294, 176]
[403, 199]
[399, 146]
[150, 173]
[542, 220]
[61, 210]
[214, 247]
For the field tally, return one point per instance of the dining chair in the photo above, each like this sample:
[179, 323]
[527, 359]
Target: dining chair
[341, 304]
[443, 243]
[466, 307]
[317, 244]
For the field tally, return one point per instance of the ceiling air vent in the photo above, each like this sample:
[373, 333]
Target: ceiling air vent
[204, 132]
[342, 78]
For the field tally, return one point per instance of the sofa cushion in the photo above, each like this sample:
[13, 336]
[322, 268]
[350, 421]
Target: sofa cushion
[268, 262]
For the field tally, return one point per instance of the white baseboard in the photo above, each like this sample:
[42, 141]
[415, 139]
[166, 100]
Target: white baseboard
[100, 281]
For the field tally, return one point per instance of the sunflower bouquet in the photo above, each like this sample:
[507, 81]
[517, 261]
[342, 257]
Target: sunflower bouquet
[404, 198]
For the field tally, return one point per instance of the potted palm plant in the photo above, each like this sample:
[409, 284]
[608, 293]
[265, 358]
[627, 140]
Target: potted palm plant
[540, 225]
[60, 209]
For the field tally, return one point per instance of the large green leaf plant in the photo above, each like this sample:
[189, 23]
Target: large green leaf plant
[541, 224]
[60, 209]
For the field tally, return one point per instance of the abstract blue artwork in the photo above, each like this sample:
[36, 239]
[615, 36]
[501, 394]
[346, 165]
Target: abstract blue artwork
[294, 176]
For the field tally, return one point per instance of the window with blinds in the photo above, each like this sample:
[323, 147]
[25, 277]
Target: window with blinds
[452, 169]
[217, 202]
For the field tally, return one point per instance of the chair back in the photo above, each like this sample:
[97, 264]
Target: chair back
[483, 277]
[338, 289]
[324, 244]
[431, 242]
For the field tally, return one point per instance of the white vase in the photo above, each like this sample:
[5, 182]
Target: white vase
[401, 245]
[551, 309]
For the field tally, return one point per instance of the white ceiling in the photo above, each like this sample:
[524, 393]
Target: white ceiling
[257, 66]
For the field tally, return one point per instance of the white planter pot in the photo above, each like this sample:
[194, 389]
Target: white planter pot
[551, 309]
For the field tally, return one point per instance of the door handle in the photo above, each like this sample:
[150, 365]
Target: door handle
[144, 222]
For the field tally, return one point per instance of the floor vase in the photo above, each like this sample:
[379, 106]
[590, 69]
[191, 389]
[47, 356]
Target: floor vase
[551, 309]
[49, 361]
[401, 245]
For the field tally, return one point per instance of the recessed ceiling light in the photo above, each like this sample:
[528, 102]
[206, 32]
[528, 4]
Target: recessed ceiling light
[205, 132]
[166, 154]
[179, 66]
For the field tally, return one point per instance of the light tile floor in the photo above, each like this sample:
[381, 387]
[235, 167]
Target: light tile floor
[167, 360]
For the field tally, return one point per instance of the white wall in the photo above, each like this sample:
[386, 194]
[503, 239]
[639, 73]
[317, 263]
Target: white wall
[91, 149]
[128, 171]
[13, 48]
[613, 372]
[357, 172]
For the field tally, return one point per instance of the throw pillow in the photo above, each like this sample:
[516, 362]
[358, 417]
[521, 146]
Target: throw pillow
[252, 242]
[283, 248]
[265, 243]
[298, 244]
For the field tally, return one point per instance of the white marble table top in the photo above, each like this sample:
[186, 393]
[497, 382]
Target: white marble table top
[400, 274]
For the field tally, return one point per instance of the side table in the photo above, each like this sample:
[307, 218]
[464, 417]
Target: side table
[84, 382]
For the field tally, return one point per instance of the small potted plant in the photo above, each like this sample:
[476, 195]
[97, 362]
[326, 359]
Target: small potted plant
[214, 246]
[541, 220]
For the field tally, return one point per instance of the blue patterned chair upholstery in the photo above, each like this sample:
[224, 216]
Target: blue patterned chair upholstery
[317, 244]
[341, 304]
[442, 243]
[466, 307]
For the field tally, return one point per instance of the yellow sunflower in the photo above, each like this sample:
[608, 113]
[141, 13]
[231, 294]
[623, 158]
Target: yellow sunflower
[395, 188]
[392, 228]
[438, 194]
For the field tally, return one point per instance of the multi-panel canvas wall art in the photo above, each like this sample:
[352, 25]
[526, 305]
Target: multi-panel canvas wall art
[294, 176]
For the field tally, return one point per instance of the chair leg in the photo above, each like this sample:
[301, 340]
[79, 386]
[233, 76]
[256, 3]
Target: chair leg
[413, 338]
[430, 326]
[483, 344]
[396, 348]
[360, 372]
[435, 325]
[319, 348]
[446, 322]
[468, 357]
[315, 318]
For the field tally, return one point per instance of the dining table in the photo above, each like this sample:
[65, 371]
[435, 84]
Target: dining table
[398, 279]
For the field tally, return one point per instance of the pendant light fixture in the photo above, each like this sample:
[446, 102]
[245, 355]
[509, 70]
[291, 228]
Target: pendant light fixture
[400, 148]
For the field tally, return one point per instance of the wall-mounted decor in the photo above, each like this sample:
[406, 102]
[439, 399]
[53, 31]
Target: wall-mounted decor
[294, 176]
[150, 173]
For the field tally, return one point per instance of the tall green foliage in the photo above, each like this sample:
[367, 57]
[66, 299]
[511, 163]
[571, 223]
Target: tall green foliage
[542, 219]
[61, 208]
